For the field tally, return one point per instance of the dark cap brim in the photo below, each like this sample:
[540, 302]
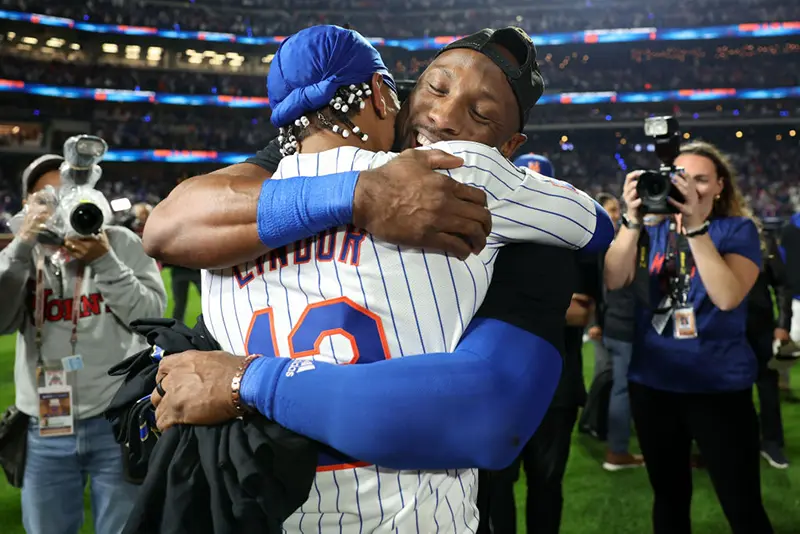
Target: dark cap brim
[37, 168]
[525, 79]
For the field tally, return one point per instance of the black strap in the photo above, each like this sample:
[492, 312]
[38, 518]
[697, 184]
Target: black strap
[679, 252]
[641, 280]
[678, 259]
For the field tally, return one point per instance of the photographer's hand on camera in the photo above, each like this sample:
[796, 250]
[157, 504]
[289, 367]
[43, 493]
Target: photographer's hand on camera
[88, 249]
[620, 260]
[631, 197]
[34, 222]
[693, 214]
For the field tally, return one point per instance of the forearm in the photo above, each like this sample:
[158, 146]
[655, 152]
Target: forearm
[620, 261]
[130, 293]
[250, 215]
[476, 407]
[15, 271]
[209, 221]
[723, 287]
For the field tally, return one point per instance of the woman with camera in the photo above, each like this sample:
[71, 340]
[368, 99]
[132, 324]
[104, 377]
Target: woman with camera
[692, 371]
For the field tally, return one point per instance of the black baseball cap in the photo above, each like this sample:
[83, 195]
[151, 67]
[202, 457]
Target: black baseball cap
[526, 80]
[37, 168]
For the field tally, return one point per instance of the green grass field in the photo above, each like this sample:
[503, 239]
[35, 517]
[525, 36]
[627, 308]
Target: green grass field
[596, 502]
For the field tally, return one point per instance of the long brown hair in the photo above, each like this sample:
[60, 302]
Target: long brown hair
[730, 203]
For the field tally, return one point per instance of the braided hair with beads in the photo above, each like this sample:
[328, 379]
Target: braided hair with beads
[348, 100]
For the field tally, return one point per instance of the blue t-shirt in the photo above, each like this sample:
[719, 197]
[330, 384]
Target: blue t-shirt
[719, 358]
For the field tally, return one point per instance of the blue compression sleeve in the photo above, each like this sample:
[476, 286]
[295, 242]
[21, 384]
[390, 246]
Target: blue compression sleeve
[603, 231]
[476, 407]
[295, 208]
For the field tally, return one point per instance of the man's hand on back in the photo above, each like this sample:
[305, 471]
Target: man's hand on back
[210, 222]
[406, 202]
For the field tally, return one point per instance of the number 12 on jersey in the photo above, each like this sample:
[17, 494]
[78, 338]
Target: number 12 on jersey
[339, 316]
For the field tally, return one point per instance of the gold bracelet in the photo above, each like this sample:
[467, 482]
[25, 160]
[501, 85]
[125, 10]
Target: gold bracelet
[236, 385]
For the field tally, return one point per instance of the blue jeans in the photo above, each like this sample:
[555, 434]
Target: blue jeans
[602, 360]
[56, 471]
[619, 407]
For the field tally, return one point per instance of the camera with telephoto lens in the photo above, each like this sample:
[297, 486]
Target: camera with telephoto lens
[654, 187]
[81, 207]
[78, 209]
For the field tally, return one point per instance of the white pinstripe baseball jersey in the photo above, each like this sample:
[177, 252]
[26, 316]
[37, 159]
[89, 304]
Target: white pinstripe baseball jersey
[344, 297]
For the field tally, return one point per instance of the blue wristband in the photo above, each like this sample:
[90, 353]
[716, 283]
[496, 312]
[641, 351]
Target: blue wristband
[258, 383]
[292, 209]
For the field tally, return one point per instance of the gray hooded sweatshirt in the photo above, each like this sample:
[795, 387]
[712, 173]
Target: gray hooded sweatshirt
[119, 287]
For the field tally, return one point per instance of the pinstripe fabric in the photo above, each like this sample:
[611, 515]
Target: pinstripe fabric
[424, 301]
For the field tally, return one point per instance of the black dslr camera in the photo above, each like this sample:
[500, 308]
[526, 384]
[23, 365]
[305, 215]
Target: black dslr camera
[655, 187]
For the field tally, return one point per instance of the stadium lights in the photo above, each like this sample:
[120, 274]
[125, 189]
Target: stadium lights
[11, 36]
[110, 48]
[739, 134]
[623, 141]
[564, 138]
[216, 61]
[778, 137]
[133, 48]
[154, 50]
[30, 40]
[15, 130]
[686, 135]
[75, 46]
[209, 53]
[196, 59]
[54, 42]
[190, 52]
[792, 133]
[268, 58]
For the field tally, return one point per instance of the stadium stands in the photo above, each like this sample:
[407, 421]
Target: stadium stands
[154, 94]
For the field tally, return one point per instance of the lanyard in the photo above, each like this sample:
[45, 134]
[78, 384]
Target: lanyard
[679, 256]
[39, 304]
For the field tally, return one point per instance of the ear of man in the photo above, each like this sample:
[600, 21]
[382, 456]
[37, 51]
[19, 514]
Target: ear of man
[377, 98]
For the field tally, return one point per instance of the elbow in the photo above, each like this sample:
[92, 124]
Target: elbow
[154, 243]
[523, 400]
[729, 303]
[163, 232]
[614, 281]
[729, 299]
[159, 234]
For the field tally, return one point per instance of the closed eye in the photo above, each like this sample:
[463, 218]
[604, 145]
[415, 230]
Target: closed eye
[481, 118]
[436, 90]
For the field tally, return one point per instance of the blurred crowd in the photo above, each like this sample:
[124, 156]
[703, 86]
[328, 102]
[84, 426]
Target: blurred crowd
[767, 170]
[645, 69]
[409, 19]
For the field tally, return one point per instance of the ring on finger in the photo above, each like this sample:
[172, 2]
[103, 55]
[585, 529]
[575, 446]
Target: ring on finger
[160, 388]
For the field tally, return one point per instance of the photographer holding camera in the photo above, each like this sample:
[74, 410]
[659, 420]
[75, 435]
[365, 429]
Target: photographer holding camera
[692, 371]
[70, 287]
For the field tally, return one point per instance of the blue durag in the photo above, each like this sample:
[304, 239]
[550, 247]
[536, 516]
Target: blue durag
[312, 64]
